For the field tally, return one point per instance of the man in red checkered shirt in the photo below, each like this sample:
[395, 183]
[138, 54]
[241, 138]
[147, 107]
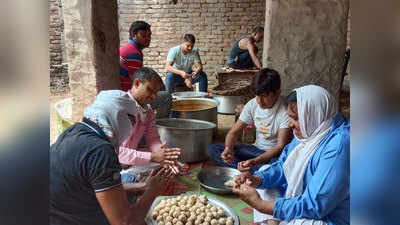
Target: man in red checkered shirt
[130, 55]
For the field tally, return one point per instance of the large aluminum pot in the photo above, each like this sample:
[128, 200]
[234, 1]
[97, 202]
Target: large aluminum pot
[195, 108]
[227, 104]
[189, 94]
[192, 136]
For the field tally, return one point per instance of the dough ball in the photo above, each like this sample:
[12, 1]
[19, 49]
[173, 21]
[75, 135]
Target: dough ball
[179, 223]
[222, 221]
[188, 223]
[229, 222]
[175, 220]
[215, 215]
[159, 218]
[197, 222]
[229, 183]
[182, 218]
[221, 213]
[168, 223]
[160, 223]
[169, 219]
[207, 219]
[214, 209]
[206, 223]
[154, 215]
[214, 222]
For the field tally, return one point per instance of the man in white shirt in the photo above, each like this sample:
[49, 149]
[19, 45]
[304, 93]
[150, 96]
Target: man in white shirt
[180, 61]
[267, 112]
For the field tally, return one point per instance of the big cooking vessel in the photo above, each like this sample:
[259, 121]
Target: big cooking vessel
[195, 108]
[227, 104]
[192, 136]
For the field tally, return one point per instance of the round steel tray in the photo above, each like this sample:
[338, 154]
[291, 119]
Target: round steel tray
[213, 179]
[228, 211]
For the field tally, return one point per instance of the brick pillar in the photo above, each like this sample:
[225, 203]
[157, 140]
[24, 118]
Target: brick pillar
[305, 42]
[92, 44]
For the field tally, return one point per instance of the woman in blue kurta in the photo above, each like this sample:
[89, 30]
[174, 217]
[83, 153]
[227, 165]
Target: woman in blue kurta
[312, 172]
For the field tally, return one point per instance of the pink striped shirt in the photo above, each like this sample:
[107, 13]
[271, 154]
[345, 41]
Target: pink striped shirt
[128, 153]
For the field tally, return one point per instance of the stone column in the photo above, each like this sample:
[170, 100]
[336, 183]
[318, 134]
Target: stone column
[305, 41]
[92, 45]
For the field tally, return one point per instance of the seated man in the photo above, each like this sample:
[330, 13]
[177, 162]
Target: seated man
[243, 54]
[312, 171]
[146, 84]
[267, 112]
[85, 182]
[180, 61]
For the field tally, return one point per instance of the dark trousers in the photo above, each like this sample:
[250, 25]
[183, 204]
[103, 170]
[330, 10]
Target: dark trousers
[241, 152]
[243, 61]
[173, 79]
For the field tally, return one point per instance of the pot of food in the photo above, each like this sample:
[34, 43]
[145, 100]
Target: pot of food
[195, 108]
[227, 104]
[192, 136]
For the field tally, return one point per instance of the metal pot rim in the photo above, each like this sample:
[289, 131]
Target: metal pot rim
[213, 126]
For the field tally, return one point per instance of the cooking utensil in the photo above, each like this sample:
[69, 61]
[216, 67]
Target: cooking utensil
[192, 136]
[189, 94]
[213, 179]
[195, 108]
[227, 104]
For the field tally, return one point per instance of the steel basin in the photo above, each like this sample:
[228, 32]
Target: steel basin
[192, 136]
[213, 178]
[195, 108]
[227, 104]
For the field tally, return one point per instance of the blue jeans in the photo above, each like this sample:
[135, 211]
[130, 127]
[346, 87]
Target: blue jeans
[173, 79]
[241, 152]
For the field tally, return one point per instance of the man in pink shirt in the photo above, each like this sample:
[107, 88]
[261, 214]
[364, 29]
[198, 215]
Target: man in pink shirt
[146, 84]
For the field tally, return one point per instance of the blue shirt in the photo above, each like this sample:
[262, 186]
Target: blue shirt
[326, 181]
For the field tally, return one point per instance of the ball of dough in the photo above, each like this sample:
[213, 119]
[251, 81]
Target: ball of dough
[214, 222]
[179, 223]
[197, 222]
[214, 215]
[229, 222]
[200, 218]
[154, 215]
[187, 213]
[182, 218]
[169, 219]
[198, 210]
[168, 223]
[159, 218]
[214, 209]
[209, 206]
[207, 219]
[221, 213]
[174, 220]
[189, 223]
[160, 223]
[222, 221]
[179, 198]
[206, 223]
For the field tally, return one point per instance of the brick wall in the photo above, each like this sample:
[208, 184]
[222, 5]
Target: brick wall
[215, 24]
[58, 68]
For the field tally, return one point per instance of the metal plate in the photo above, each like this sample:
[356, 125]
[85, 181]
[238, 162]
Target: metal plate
[228, 211]
[213, 179]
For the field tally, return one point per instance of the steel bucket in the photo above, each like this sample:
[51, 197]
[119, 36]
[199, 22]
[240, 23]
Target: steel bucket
[192, 136]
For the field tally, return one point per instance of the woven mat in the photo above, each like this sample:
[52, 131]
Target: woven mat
[190, 184]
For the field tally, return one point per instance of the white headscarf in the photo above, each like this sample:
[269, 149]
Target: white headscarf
[316, 108]
[110, 111]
